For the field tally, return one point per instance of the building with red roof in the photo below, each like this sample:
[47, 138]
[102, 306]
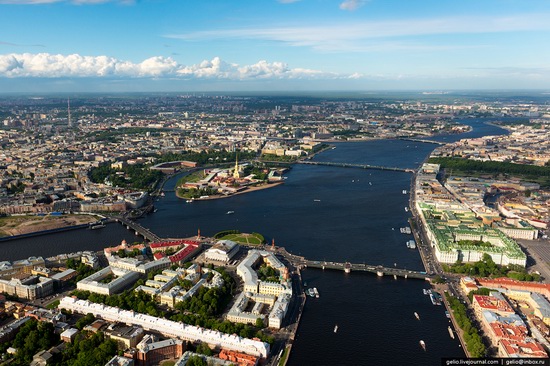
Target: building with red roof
[510, 284]
[527, 348]
[495, 303]
[240, 359]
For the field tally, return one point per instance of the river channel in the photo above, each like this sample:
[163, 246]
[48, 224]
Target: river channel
[325, 213]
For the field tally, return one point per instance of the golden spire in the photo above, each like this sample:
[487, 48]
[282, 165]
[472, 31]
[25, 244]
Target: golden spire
[236, 173]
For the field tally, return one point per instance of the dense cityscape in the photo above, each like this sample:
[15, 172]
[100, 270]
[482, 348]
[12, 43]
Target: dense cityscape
[479, 213]
[274, 183]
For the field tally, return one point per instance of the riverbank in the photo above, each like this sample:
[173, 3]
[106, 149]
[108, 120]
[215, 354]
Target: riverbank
[247, 190]
[12, 226]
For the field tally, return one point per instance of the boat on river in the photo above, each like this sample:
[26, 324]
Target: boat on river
[416, 315]
[423, 344]
[336, 328]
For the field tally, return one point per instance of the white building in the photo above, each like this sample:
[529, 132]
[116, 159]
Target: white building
[251, 283]
[278, 311]
[136, 265]
[31, 288]
[93, 282]
[222, 251]
[167, 327]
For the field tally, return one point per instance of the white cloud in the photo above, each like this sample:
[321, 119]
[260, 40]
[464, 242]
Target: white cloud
[45, 65]
[78, 2]
[352, 5]
[376, 35]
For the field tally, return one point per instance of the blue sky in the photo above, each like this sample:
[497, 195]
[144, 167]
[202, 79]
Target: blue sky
[187, 45]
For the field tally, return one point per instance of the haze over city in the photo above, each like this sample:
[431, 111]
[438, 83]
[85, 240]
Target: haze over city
[274, 182]
[163, 45]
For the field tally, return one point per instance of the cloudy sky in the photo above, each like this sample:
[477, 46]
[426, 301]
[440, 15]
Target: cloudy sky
[223, 45]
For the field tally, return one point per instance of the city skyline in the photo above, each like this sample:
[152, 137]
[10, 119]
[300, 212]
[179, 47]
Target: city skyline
[166, 45]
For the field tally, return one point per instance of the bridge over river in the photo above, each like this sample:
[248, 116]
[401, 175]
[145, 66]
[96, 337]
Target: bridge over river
[361, 166]
[138, 229]
[348, 267]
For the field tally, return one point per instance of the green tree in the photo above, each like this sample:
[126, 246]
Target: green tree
[204, 349]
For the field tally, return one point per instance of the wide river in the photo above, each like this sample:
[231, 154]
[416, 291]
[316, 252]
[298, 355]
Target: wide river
[325, 213]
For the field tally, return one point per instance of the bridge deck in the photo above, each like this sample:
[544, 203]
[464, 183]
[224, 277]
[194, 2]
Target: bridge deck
[380, 270]
[146, 233]
[349, 165]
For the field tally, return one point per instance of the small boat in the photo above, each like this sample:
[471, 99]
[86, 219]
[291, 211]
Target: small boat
[370, 184]
[310, 292]
[425, 292]
[316, 200]
[451, 332]
[316, 292]
[423, 344]
[394, 277]
[162, 194]
[406, 209]
[155, 210]
[336, 328]
[189, 201]
[97, 225]
[416, 315]
[404, 191]
[230, 212]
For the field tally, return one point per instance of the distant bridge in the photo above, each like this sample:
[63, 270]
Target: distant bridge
[361, 166]
[138, 229]
[421, 140]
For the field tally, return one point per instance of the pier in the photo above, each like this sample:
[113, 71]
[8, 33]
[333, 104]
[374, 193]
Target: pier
[360, 166]
[138, 229]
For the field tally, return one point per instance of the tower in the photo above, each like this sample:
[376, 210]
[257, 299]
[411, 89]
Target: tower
[69, 123]
[236, 173]
[273, 244]
[199, 233]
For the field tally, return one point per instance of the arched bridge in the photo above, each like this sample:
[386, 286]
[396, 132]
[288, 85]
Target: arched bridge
[139, 230]
[348, 267]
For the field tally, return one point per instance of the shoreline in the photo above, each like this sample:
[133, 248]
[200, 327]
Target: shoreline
[44, 224]
[248, 190]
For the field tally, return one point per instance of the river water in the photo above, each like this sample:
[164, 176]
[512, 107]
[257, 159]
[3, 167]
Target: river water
[325, 213]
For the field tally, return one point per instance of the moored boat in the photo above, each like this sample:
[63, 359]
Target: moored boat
[423, 344]
[451, 332]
